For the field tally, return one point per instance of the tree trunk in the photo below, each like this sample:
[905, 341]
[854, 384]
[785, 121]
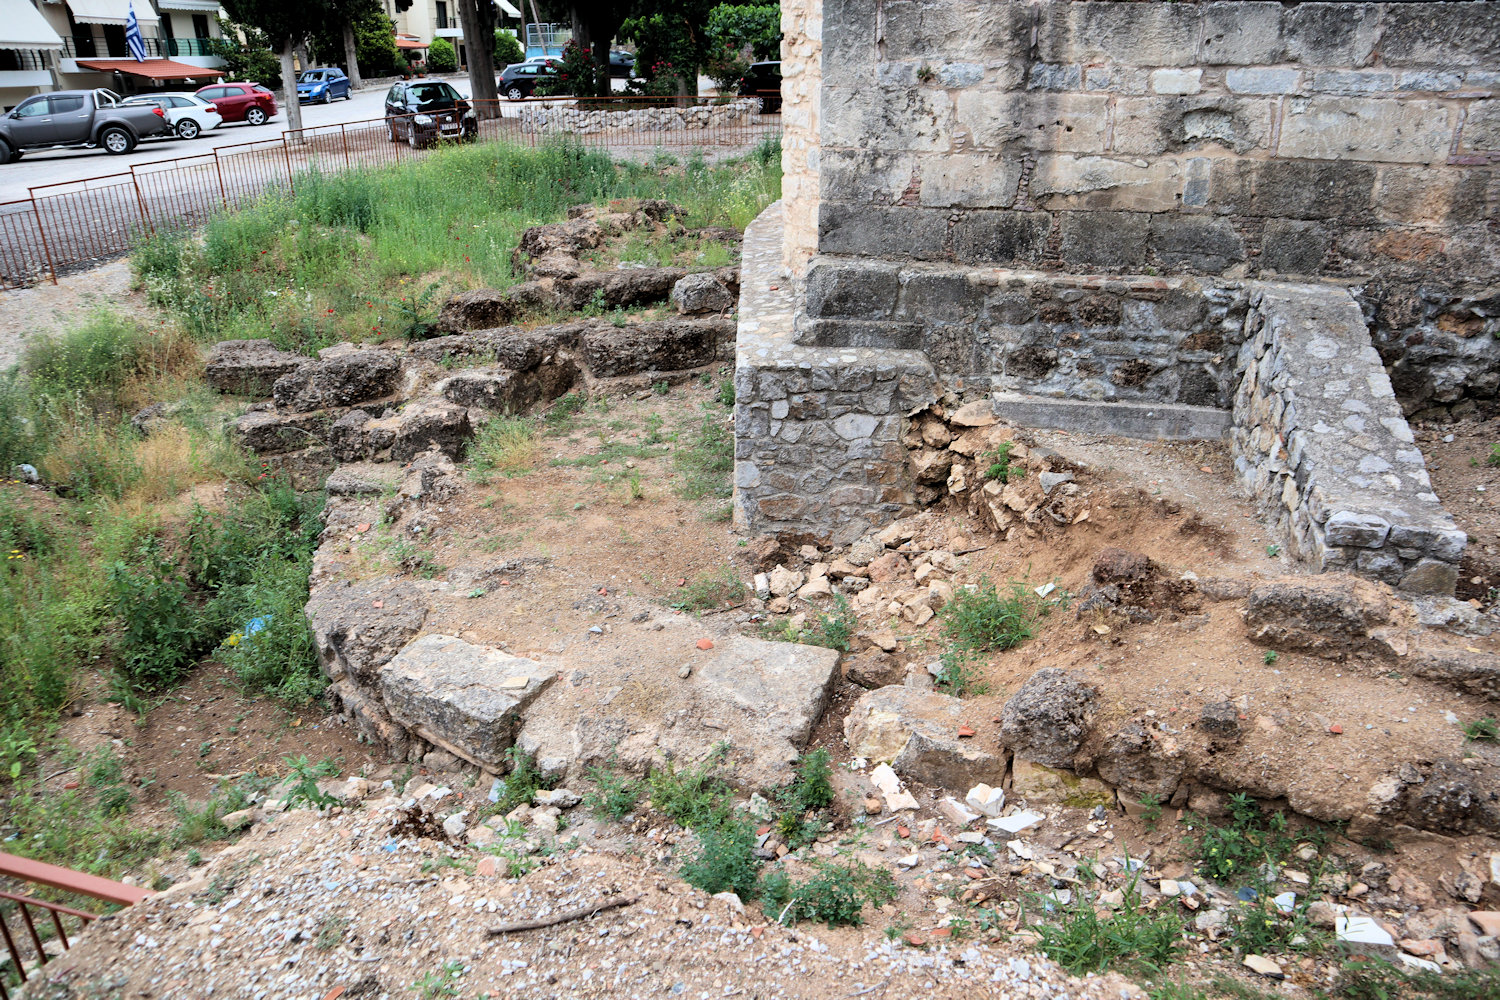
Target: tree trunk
[289, 90]
[601, 65]
[351, 56]
[302, 56]
[478, 19]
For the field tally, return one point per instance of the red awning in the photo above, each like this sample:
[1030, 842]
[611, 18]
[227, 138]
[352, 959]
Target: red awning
[408, 42]
[151, 69]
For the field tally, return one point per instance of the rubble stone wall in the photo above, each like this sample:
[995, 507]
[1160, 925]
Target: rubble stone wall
[1319, 438]
[1160, 340]
[576, 120]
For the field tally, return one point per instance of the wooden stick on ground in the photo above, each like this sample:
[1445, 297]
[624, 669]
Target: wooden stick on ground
[564, 917]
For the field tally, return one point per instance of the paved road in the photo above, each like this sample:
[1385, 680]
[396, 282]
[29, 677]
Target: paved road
[60, 165]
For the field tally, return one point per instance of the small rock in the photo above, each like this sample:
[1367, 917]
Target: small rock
[1488, 922]
[1017, 821]
[1360, 930]
[888, 567]
[685, 671]
[238, 820]
[1052, 480]
[1168, 887]
[988, 801]
[1262, 966]
[705, 644]
[872, 805]
[910, 860]
[731, 900]
[562, 798]
[784, 582]
[885, 639]
[454, 825]
[889, 785]
[980, 413]
[956, 812]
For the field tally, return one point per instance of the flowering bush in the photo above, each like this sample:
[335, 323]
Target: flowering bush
[576, 73]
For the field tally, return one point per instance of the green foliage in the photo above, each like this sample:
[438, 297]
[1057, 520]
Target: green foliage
[1251, 839]
[1482, 729]
[80, 828]
[1363, 978]
[757, 27]
[1494, 456]
[305, 775]
[1259, 926]
[726, 393]
[374, 43]
[713, 589]
[987, 618]
[725, 860]
[162, 632]
[615, 795]
[441, 982]
[17, 751]
[414, 317]
[504, 446]
[521, 784]
[1131, 938]
[442, 57]
[707, 459]
[695, 797]
[812, 788]
[576, 74]
[1150, 810]
[251, 59]
[836, 895]
[508, 49]
[1270, 657]
[1000, 469]
[669, 39]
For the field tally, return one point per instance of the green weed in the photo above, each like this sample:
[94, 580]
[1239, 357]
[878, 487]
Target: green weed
[1000, 469]
[615, 795]
[707, 458]
[710, 590]
[441, 982]
[1131, 938]
[1486, 728]
[305, 775]
[836, 895]
[695, 797]
[1251, 839]
[1363, 978]
[522, 782]
[504, 446]
[724, 860]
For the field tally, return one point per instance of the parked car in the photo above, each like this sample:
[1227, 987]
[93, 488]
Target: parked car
[77, 118]
[764, 81]
[241, 102]
[322, 85]
[188, 114]
[521, 80]
[424, 111]
[621, 63]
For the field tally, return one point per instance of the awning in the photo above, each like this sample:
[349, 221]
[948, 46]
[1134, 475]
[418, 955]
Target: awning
[22, 26]
[151, 69]
[197, 6]
[408, 42]
[110, 11]
[509, 10]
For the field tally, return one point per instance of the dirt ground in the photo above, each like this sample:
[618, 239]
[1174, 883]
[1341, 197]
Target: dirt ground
[1458, 459]
[45, 308]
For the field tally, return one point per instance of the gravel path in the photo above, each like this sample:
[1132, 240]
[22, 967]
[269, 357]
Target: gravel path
[46, 308]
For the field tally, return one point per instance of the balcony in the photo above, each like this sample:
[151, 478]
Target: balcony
[101, 47]
[22, 61]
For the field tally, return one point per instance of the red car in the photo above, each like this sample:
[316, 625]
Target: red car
[241, 102]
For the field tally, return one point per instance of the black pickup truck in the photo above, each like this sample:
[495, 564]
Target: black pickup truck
[77, 118]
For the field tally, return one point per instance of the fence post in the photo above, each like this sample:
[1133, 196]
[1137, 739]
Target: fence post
[219, 169]
[140, 200]
[41, 231]
[344, 133]
[286, 151]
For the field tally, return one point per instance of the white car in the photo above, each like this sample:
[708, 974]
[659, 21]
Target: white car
[188, 114]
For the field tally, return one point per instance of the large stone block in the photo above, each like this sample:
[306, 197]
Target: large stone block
[916, 732]
[1136, 34]
[1066, 181]
[249, 367]
[1104, 239]
[860, 291]
[1292, 247]
[342, 379]
[850, 38]
[663, 346]
[1449, 35]
[784, 685]
[465, 698]
[1332, 34]
[894, 118]
[1351, 128]
[1198, 242]
[1241, 34]
[1293, 189]
[1481, 129]
[872, 231]
[1151, 125]
[940, 296]
[875, 176]
[969, 180]
[1001, 237]
[968, 30]
[1074, 123]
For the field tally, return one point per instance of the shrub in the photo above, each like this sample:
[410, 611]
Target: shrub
[812, 788]
[507, 50]
[615, 795]
[836, 895]
[986, 618]
[441, 56]
[279, 655]
[1140, 940]
[695, 797]
[725, 860]
[1482, 729]
[162, 632]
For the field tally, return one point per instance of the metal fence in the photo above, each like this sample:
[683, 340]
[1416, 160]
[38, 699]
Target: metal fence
[73, 225]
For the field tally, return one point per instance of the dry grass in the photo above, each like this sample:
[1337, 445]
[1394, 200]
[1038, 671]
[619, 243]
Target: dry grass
[506, 446]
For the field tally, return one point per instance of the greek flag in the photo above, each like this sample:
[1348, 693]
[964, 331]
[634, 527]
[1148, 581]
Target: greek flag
[133, 36]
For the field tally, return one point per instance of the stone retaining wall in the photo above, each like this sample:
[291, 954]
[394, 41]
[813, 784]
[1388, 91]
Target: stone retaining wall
[544, 119]
[1319, 438]
[1162, 340]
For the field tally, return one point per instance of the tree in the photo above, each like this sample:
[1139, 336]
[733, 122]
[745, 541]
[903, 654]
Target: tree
[287, 24]
[440, 56]
[756, 27]
[507, 49]
[375, 51]
[251, 59]
[674, 32]
[478, 20]
[595, 24]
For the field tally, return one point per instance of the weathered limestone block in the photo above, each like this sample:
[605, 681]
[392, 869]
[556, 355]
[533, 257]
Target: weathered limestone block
[916, 732]
[464, 698]
[249, 367]
[343, 379]
[1048, 719]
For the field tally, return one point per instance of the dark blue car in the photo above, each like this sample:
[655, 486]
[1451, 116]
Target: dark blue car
[322, 85]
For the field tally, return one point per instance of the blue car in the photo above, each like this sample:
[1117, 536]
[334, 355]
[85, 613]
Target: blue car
[322, 85]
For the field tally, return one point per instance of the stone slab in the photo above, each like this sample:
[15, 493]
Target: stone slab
[1151, 421]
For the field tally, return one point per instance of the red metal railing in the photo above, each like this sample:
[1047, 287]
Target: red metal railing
[38, 873]
[74, 224]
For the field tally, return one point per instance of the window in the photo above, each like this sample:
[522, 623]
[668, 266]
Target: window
[33, 109]
[259, 89]
[213, 93]
[62, 105]
[442, 14]
[200, 26]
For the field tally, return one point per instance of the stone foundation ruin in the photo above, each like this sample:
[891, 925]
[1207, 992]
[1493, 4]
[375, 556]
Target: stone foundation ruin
[1266, 223]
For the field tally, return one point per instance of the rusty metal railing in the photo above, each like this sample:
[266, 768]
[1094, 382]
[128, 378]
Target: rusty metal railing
[53, 877]
[71, 225]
